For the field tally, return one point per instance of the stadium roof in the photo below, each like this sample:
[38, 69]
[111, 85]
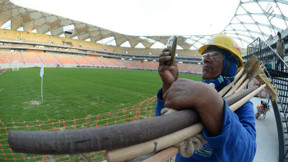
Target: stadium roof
[252, 19]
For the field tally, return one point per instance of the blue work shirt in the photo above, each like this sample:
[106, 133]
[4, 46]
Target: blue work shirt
[237, 141]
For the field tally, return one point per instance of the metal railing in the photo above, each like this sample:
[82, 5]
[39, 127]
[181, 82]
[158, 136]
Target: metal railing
[267, 55]
[279, 78]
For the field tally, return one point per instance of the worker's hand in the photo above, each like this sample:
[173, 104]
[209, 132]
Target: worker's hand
[198, 141]
[187, 147]
[203, 98]
[168, 74]
[187, 94]
[166, 111]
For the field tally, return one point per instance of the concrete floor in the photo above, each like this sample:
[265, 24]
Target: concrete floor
[267, 136]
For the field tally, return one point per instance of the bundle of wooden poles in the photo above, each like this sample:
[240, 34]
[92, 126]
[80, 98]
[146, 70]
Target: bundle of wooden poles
[153, 137]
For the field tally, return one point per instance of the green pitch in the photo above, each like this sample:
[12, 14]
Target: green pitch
[73, 92]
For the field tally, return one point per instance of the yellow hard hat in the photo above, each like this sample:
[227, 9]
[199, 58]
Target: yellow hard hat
[227, 43]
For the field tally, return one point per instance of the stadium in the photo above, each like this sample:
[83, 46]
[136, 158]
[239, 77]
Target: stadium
[95, 77]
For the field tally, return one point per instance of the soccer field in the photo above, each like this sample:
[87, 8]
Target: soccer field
[73, 92]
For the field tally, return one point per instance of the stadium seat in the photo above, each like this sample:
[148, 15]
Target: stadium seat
[141, 64]
[56, 40]
[84, 44]
[73, 42]
[80, 60]
[2, 34]
[3, 58]
[65, 59]
[12, 35]
[106, 61]
[117, 62]
[14, 56]
[95, 60]
[31, 57]
[49, 58]
[42, 38]
[26, 36]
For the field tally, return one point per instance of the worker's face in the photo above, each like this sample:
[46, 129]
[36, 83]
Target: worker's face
[212, 63]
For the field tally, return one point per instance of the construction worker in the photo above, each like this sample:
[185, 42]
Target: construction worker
[230, 136]
[280, 48]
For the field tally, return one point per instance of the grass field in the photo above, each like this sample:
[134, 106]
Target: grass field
[73, 92]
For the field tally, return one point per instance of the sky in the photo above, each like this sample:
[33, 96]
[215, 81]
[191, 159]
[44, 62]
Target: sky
[143, 17]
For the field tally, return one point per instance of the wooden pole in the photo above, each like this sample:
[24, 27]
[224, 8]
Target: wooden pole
[236, 85]
[245, 83]
[225, 89]
[237, 96]
[239, 74]
[163, 155]
[131, 152]
[239, 103]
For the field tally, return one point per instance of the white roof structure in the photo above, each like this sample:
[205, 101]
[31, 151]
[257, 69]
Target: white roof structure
[252, 19]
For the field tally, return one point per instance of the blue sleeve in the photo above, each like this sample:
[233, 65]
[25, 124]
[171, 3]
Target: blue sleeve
[159, 103]
[237, 141]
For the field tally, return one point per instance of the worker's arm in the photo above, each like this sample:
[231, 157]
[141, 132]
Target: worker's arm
[237, 140]
[203, 98]
[168, 74]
